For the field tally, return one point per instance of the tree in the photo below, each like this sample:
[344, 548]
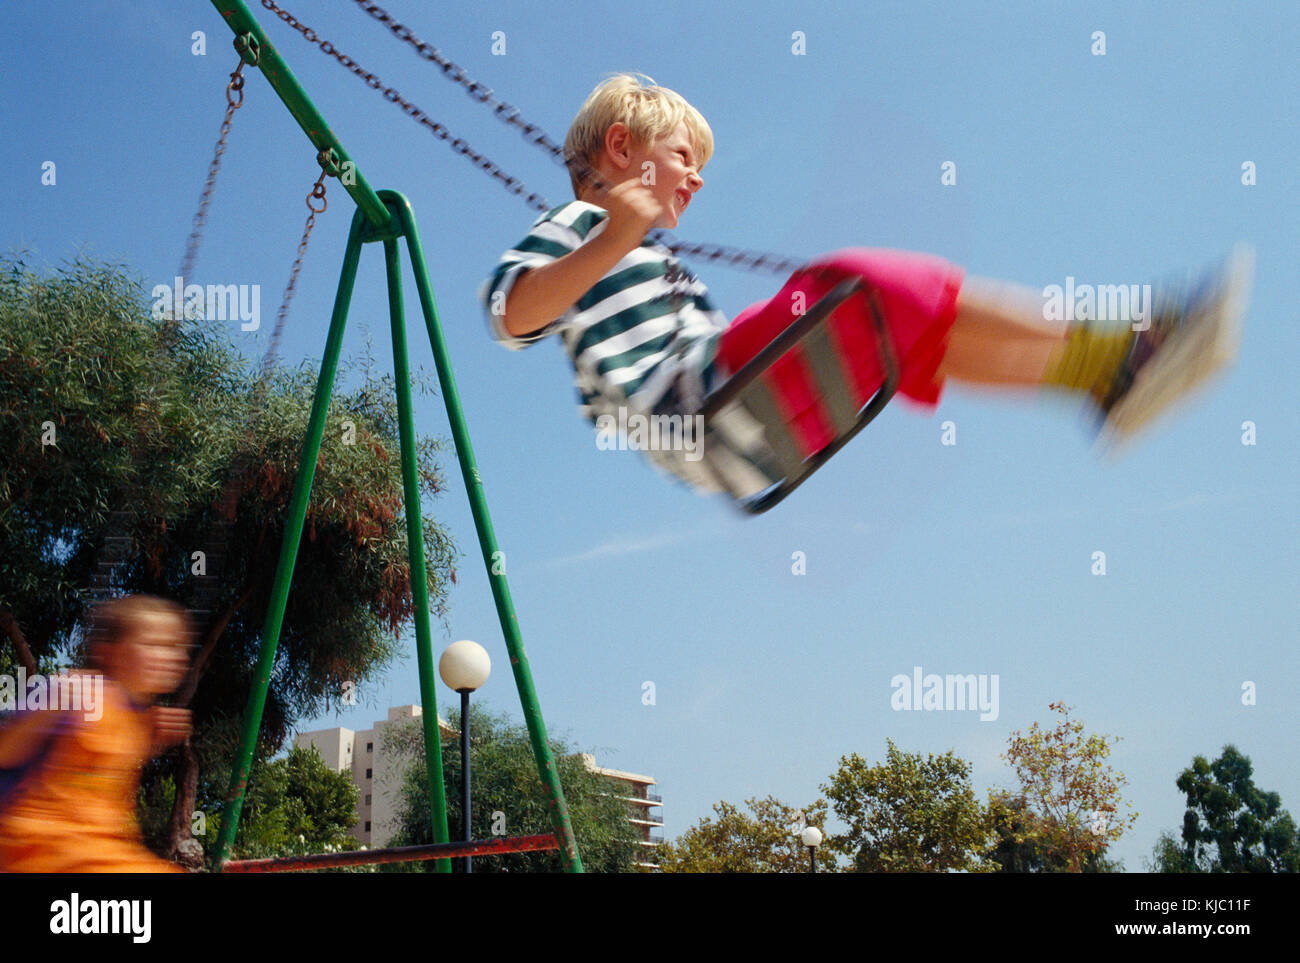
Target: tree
[295, 805]
[1230, 826]
[79, 375]
[766, 842]
[908, 814]
[1070, 794]
[508, 798]
[1168, 856]
[1019, 846]
[92, 415]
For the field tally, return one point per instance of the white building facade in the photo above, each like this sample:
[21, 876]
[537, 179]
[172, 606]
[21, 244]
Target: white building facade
[377, 775]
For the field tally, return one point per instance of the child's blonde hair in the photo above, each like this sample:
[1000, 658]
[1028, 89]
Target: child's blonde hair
[649, 111]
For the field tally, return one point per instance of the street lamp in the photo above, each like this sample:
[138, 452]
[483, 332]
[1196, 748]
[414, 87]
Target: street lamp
[812, 838]
[464, 667]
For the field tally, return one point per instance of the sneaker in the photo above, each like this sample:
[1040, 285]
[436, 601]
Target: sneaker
[1191, 338]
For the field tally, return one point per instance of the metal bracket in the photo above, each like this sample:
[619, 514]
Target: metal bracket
[248, 48]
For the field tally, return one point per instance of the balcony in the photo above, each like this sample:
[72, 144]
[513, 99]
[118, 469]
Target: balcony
[649, 799]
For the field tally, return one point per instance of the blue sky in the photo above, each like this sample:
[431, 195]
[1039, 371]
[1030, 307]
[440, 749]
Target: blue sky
[974, 558]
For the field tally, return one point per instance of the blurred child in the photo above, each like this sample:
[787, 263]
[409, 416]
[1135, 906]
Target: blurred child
[644, 338]
[70, 805]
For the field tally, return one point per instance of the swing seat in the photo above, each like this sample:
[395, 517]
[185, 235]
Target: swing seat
[799, 400]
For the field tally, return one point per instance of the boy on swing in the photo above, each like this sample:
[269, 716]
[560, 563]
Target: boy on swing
[643, 336]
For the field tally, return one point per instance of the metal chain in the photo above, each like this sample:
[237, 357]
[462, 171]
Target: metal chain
[510, 115]
[317, 193]
[533, 133]
[216, 545]
[114, 549]
[512, 184]
[233, 103]
[205, 591]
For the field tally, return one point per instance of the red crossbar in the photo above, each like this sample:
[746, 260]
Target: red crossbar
[401, 854]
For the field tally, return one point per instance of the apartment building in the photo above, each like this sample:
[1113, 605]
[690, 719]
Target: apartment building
[377, 776]
[635, 789]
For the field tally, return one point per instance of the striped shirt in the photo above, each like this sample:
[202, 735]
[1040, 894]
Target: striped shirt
[642, 341]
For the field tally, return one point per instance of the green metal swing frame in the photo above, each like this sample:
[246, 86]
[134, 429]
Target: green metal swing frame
[383, 217]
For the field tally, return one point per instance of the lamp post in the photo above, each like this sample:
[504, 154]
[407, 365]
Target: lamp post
[812, 838]
[464, 667]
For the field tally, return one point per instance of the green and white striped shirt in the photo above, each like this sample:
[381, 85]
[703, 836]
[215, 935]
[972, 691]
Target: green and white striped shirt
[643, 339]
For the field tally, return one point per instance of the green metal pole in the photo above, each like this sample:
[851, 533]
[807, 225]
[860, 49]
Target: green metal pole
[289, 546]
[492, 558]
[415, 545]
[371, 208]
[282, 80]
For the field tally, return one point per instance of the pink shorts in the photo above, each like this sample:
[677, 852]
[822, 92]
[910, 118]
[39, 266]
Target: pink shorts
[918, 295]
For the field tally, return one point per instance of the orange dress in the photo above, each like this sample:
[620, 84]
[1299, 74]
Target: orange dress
[75, 813]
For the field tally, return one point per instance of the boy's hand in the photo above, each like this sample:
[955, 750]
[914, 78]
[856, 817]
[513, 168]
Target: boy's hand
[542, 294]
[633, 211]
[170, 725]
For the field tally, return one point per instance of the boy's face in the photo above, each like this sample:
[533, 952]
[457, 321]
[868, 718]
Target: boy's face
[676, 174]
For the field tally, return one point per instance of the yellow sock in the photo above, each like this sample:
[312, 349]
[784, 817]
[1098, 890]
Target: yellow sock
[1088, 359]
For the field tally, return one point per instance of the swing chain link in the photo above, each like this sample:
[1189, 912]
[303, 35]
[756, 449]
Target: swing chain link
[511, 184]
[533, 133]
[233, 103]
[236, 86]
[317, 193]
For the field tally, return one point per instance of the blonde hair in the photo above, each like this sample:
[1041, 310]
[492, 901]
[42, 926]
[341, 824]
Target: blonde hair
[648, 110]
[117, 619]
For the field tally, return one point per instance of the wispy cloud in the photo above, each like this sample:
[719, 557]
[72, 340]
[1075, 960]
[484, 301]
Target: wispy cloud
[708, 702]
[622, 546]
[1035, 517]
[1193, 500]
[1197, 499]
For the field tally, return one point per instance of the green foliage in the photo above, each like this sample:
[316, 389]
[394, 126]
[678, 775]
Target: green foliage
[1230, 826]
[154, 806]
[46, 664]
[919, 814]
[1168, 856]
[505, 781]
[100, 410]
[908, 814]
[1020, 848]
[766, 842]
[81, 387]
[296, 805]
[1069, 797]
